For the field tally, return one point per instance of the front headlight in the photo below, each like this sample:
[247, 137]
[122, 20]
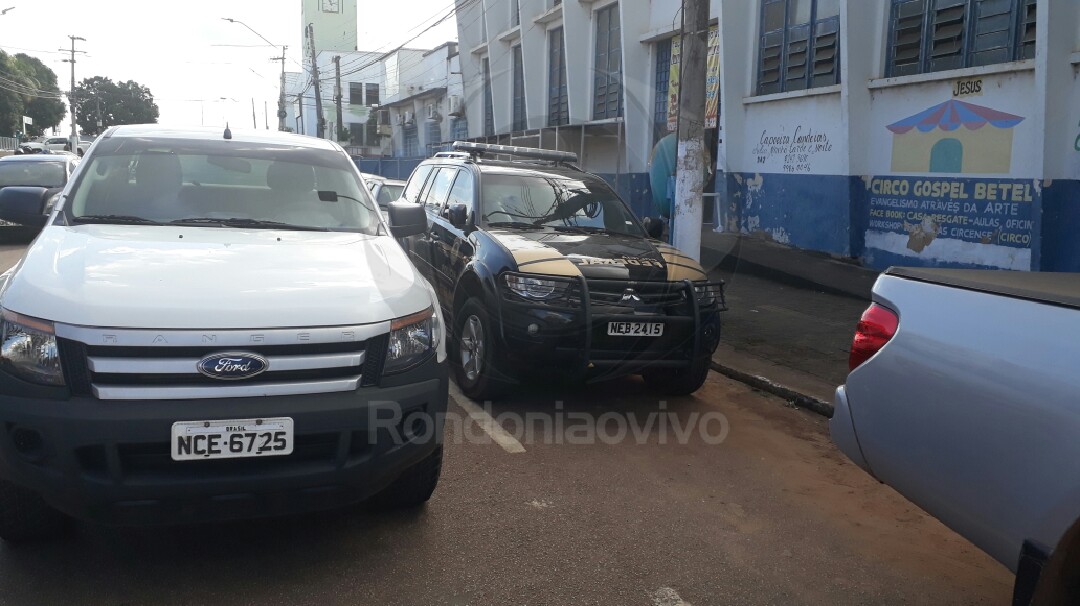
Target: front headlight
[707, 294]
[532, 288]
[28, 349]
[412, 340]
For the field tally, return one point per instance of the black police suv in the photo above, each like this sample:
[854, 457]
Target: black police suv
[540, 265]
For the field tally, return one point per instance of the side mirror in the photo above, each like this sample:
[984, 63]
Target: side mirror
[654, 226]
[24, 205]
[406, 219]
[458, 215]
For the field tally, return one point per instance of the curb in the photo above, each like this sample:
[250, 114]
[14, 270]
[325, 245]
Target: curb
[797, 399]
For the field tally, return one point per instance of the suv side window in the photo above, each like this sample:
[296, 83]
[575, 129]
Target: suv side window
[463, 190]
[416, 183]
[440, 187]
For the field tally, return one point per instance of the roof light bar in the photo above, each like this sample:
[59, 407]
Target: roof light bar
[513, 150]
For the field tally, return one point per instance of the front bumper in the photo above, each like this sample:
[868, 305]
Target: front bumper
[109, 461]
[575, 337]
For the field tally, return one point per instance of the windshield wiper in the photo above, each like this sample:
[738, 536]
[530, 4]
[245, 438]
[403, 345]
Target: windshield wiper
[116, 219]
[239, 222]
[514, 224]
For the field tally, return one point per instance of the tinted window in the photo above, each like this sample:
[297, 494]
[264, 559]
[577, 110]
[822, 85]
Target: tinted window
[440, 187]
[416, 182]
[552, 201]
[463, 190]
[37, 174]
[174, 180]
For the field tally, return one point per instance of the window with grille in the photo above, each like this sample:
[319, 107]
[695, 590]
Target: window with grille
[558, 99]
[663, 77]
[412, 141]
[489, 103]
[356, 93]
[371, 131]
[356, 134]
[459, 128]
[520, 123]
[937, 35]
[434, 133]
[607, 70]
[799, 45]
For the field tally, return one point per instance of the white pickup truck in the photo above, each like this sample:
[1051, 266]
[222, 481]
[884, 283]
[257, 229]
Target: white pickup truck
[963, 396]
[213, 325]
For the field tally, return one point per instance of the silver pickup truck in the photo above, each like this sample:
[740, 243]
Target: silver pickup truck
[964, 396]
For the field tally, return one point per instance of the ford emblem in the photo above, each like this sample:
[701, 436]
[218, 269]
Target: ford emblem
[232, 366]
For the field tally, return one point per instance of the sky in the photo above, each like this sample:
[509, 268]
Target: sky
[200, 68]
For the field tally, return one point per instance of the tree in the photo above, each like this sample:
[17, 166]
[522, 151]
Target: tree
[46, 111]
[101, 103]
[28, 88]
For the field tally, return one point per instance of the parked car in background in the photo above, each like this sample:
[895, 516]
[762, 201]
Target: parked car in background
[63, 144]
[963, 397]
[541, 266]
[214, 326]
[384, 190]
[46, 172]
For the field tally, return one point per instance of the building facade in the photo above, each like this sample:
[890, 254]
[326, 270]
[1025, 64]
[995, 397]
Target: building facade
[909, 132]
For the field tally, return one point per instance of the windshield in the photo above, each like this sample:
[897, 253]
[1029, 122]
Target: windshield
[554, 201]
[32, 174]
[172, 181]
[389, 193]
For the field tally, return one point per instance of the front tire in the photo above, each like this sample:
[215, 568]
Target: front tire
[678, 381]
[478, 361]
[25, 517]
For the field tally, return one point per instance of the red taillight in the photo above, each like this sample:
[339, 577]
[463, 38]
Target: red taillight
[875, 329]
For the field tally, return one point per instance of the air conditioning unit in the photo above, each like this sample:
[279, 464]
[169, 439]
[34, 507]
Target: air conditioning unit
[401, 119]
[409, 118]
[385, 130]
[457, 106]
[433, 112]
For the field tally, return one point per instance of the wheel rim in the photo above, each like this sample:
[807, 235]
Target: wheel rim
[472, 348]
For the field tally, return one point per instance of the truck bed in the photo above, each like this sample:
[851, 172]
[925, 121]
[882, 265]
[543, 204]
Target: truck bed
[1061, 289]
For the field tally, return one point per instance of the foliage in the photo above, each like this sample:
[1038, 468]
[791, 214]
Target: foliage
[28, 87]
[101, 103]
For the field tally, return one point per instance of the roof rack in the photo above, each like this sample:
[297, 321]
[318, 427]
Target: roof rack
[451, 154]
[475, 149]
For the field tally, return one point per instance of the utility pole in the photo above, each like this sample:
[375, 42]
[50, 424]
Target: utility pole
[71, 95]
[300, 114]
[337, 93]
[254, 120]
[266, 117]
[320, 124]
[281, 113]
[690, 162]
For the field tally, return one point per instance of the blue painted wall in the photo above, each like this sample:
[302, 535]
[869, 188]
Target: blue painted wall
[813, 212]
[1060, 244]
[391, 168]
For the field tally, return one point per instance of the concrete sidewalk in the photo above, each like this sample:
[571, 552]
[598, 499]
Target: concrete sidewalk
[791, 318]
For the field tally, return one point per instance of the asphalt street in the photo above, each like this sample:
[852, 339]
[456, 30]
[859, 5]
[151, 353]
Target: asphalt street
[772, 514]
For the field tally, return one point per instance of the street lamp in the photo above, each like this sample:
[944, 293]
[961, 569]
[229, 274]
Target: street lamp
[5, 11]
[281, 95]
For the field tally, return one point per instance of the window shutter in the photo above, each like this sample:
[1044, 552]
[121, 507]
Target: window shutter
[826, 65]
[1026, 37]
[908, 18]
[993, 31]
[948, 35]
[797, 59]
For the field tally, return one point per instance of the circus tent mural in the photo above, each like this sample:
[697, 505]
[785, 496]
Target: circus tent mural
[954, 137]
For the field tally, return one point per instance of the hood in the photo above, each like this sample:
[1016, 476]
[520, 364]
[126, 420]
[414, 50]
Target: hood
[604, 256]
[201, 278]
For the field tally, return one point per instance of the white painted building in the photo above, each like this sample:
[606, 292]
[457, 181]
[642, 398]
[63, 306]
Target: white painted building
[911, 132]
[425, 104]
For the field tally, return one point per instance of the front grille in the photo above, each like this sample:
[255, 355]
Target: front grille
[116, 364]
[636, 294]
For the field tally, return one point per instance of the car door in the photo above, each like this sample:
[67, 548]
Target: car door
[451, 249]
[416, 246]
[433, 199]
